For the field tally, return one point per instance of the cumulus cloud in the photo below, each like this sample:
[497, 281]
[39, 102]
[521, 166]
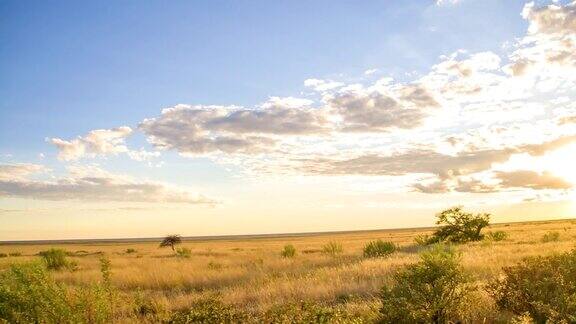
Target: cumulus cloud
[532, 179]
[206, 129]
[89, 184]
[322, 85]
[96, 142]
[383, 109]
[428, 161]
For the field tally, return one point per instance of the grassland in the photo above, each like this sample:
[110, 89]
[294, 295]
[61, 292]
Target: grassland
[249, 273]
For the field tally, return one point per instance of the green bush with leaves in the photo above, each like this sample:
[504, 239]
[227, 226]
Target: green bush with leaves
[209, 311]
[184, 252]
[550, 237]
[497, 236]
[434, 290]
[55, 259]
[379, 248]
[289, 251]
[543, 287]
[29, 294]
[457, 226]
[332, 248]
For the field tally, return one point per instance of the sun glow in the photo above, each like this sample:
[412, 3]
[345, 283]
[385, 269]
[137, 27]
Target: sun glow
[562, 163]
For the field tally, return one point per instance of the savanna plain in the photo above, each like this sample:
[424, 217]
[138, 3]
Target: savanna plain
[326, 277]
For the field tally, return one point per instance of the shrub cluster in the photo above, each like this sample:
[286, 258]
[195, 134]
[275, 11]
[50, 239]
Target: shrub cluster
[29, 294]
[332, 248]
[543, 287]
[289, 251]
[550, 237]
[456, 226]
[184, 252]
[55, 259]
[497, 236]
[434, 290]
[379, 248]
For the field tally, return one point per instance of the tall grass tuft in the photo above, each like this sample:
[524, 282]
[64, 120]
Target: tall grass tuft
[332, 248]
[183, 252]
[55, 259]
[550, 237]
[289, 251]
[379, 248]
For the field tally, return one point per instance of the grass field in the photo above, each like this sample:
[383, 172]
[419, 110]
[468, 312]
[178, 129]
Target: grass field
[249, 273]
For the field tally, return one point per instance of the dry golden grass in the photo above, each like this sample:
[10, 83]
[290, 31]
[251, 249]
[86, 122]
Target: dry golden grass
[251, 274]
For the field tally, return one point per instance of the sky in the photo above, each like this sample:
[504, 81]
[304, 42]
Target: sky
[143, 118]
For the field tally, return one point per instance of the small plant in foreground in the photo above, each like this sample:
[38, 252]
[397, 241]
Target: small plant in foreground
[289, 251]
[332, 248]
[550, 237]
[55, 259]
[543, 287]
[434, 290]
[379, 248]
[184, 252]
[497, 236]
[209, 311]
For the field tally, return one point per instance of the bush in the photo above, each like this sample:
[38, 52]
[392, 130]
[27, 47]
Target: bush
[209, 311]
[424, 240]
[289, 251]
[457, 226]
[434, 290]
[379, 248]
[3, 255]
[543, 287]
[306, 312]
[129, 251]
[550, 237]
[55, 259]
[29, 294]
[497, 236]
[332, 248]
[184, 252]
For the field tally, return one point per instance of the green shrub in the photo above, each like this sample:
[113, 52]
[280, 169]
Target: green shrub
[434, 290]
[3, 255]
[424, 240]
[209, 311]
[543, 287]
[289, 251]
[129, 251]
[332, 248]
[29, 294]
[379, 248]
[497, 236]
[55, 259]
[550, 237]
[307, 312]
[184, 252]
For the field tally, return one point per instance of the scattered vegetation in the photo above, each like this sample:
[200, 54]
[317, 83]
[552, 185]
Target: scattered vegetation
[55, 259]
[3, 255]
[289, 251]
[457, 226]
[497, 236]
[171, 241]
[542, 287]
[550, 237]
[434, 290]
[184, 252]
[131, 250]
[332, 248]
[15, 254]
[29, 294]
[379, 248]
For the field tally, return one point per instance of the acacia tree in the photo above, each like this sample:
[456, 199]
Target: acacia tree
[171, 241]
[458, 226]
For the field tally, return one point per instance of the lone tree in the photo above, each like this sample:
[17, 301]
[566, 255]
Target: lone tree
[458, 226]
[171, 241]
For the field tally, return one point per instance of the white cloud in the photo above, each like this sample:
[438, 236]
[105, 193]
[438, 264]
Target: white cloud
[90, 183]
[95, 143]
[322, 85]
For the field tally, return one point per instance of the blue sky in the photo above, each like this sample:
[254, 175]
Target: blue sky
[68, 68]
